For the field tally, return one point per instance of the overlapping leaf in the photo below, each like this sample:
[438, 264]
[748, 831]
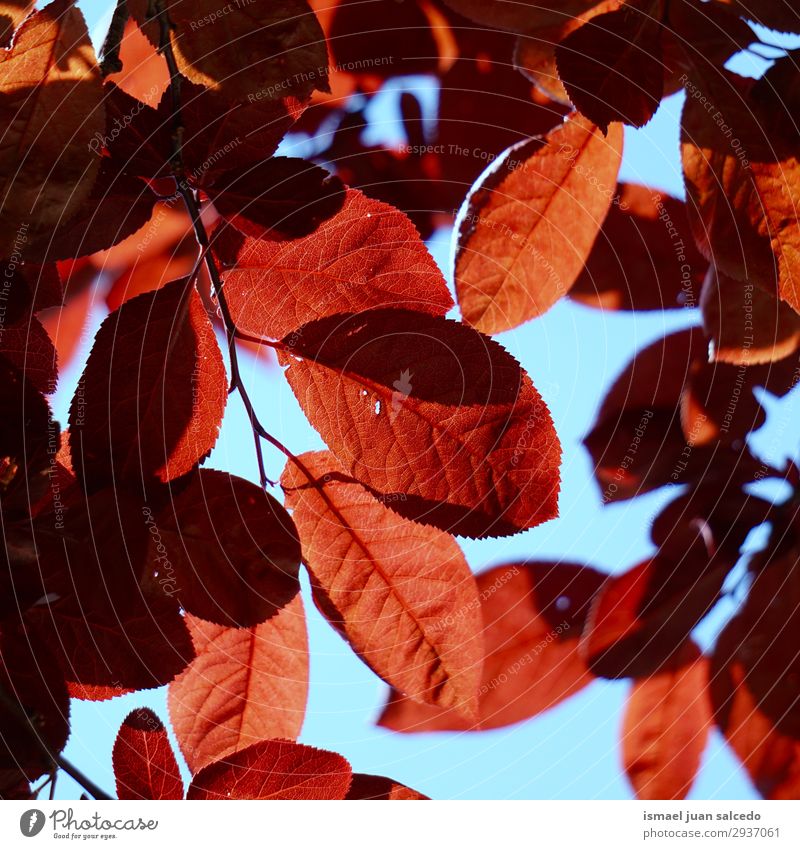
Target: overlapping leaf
[435, 417]
[400, 593]
[366, 256]
[528, 227]
[665, 729]
[225, 549]
[274, 769]
[51, 107]
[150, 401]
[246, 684]
[533, 616]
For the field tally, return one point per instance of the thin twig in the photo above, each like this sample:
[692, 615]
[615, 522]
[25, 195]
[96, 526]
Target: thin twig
[55, 758]
[110, 62]
[190, 199]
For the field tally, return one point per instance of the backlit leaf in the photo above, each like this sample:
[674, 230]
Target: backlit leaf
[150, 401]
[612, 66]
[225, 549]
[665, 729]
[245, 684]
[274, 769]
[388, 585]
[533, 617]
[366, 256]
[437, 418]
[51, 107]
[144, 763]
[528, 226]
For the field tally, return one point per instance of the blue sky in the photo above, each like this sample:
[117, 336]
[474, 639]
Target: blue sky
[572, 752]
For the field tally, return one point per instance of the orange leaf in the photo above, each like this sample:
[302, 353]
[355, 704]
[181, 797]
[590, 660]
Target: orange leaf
[665, 729]
[388, 585]
[368, 255]
[533, 616]
[244, 685]
[529, 224]
[746, 324]
[742, 179]
[394, 392]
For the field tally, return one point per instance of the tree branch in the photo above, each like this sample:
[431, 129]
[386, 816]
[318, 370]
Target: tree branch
[15, 708]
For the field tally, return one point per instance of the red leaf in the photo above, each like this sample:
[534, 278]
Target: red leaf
[144, 763]
[388, 585]
[368, 255]
[244, 685]
[746, 324]
[151, 399]
[640, 620]
[51, 108]
[378, 787]
[274, 769]
[528, 226]
[30, 680]
[28, 439]
[28, 347]
[366, 38]
[279, 198]
[107, 632]
[392, 392]
[771, 758]
[665, 729]
[742, 196]
[644, 257]
[534, 55]
[520, 16]
[225, 549]
[218, 134]
[533, 616]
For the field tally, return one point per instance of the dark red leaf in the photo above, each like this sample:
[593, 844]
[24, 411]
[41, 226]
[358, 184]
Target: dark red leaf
[38, 705]
[274, 769]
[225, 549]
[644, 257]
[612, 66]
[378, 787]
[279, 198]
[151, 398]
[640, 619]
[144, 763]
